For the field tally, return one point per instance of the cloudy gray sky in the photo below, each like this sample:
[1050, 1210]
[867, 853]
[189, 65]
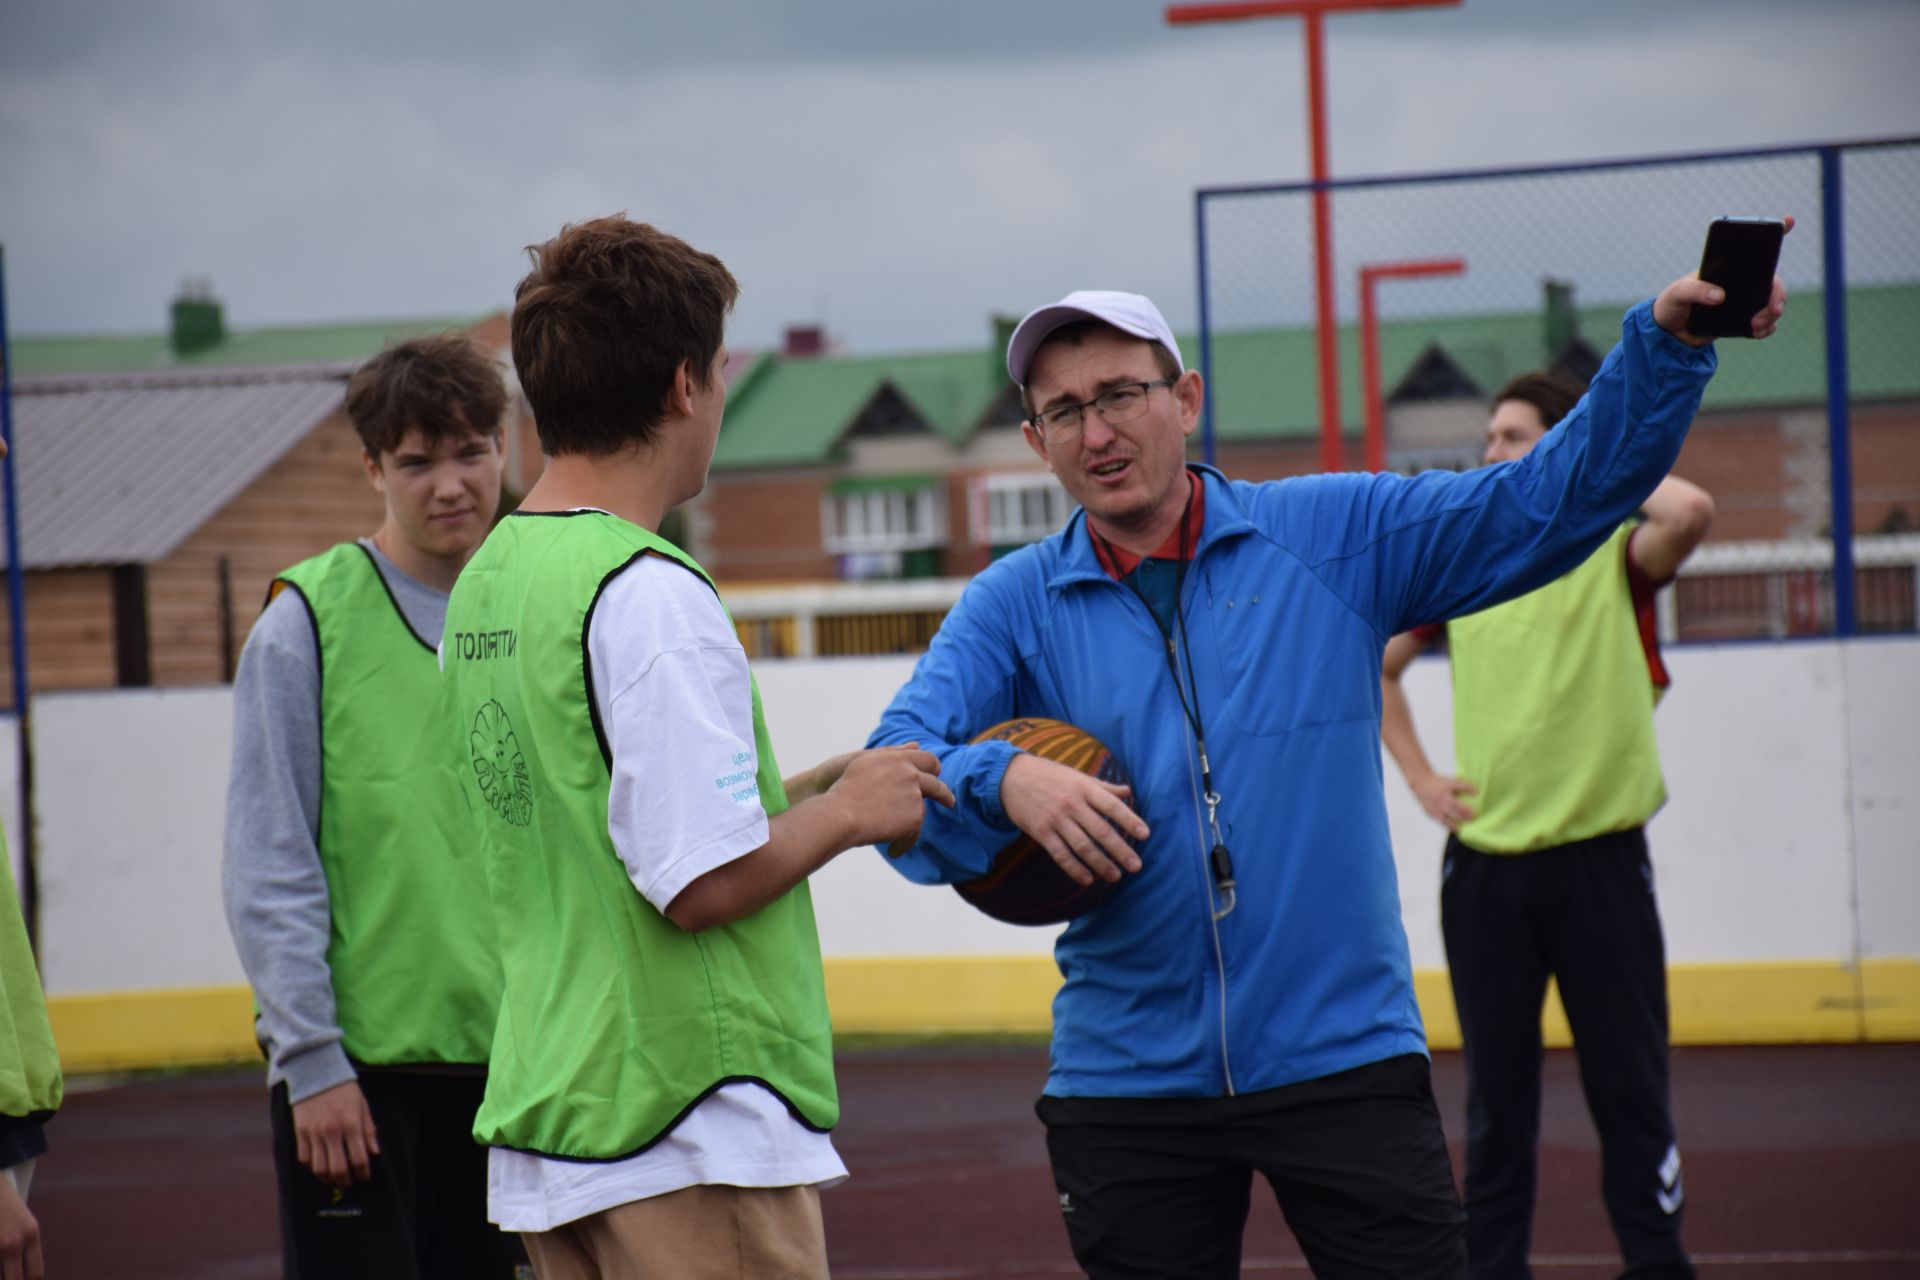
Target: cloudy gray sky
[899, 169]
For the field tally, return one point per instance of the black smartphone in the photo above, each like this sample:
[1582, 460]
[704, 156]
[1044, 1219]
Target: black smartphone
[1740, 257]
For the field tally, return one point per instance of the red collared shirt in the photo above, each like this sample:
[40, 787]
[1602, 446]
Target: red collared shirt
[1119, 562]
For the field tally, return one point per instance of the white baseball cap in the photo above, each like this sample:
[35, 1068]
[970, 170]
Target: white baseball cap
[1128, 312]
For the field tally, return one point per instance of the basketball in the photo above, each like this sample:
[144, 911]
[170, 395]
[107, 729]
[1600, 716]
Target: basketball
[1025, 885]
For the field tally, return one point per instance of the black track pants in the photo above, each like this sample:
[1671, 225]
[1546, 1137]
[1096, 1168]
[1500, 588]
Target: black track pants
[1159, 1187]
[423, 1214]
[1584, 914]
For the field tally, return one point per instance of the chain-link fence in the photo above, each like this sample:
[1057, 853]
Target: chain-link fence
[1447, 285]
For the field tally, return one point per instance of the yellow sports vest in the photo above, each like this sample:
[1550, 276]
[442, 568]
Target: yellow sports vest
[1553, 711]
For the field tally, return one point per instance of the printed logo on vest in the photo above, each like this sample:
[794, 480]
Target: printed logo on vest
[499, 767]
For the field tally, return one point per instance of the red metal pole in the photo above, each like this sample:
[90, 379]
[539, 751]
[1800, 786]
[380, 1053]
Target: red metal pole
[1376, 437]
[1331, 454]
[1311, 12]
[1376, 428]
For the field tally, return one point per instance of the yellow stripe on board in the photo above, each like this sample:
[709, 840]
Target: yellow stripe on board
[134, 1030]
[1752, 1003]
[941, 994]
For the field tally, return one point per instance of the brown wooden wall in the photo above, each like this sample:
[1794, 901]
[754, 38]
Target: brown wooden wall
[69, 632]
[315, 496]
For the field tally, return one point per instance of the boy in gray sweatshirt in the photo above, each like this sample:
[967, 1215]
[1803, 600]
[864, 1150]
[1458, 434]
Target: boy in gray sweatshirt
[364, 930]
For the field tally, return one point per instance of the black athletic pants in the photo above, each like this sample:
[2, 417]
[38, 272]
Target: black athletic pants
[1584, 913]
[423, 1214]
[1158, 1188]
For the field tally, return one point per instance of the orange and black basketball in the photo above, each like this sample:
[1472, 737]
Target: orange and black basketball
[1025, 885]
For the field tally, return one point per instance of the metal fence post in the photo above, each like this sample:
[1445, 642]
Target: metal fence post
[29, 886]
[1839, 455]
[1206, 327]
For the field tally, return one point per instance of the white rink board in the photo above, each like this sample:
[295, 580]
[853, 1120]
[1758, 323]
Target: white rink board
[1795, 772]
[819, 707]
[131, 787]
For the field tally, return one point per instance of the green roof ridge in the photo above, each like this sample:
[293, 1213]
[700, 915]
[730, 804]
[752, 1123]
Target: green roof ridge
[329, 343]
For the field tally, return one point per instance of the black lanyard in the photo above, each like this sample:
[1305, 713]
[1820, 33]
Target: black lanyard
[1219, 860]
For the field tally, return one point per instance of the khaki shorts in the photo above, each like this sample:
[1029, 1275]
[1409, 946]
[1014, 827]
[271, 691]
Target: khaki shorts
[695, 1233]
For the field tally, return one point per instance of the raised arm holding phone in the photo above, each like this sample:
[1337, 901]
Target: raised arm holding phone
[1223, 1015]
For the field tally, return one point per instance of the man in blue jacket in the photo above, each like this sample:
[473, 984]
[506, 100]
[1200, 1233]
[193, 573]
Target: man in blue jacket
[1245, 1000]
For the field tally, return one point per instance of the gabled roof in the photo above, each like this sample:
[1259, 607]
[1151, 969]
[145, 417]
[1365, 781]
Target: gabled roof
[121, 468]
[1434, 375]
[125, 449]
[785, 412]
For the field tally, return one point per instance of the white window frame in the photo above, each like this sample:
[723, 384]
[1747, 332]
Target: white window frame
[1002, 507]
[877, 521]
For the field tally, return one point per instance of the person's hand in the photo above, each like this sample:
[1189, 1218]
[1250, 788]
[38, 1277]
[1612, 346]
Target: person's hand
[334, 1137]
[1440, 796]
[1676, 301]
[1077, 819]
[819, 779]
[889, 788]
[19, 1236]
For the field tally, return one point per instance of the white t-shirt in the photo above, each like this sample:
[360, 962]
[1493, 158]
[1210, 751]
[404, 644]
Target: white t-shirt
[663, 653]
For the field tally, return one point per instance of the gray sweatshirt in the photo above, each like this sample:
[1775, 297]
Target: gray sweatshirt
[276, 893]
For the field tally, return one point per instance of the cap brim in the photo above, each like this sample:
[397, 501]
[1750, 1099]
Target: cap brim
[1039, 324]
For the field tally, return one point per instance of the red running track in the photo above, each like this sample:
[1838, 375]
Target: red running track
[1802, 1163]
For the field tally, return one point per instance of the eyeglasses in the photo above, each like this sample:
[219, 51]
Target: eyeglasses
[1122, 404]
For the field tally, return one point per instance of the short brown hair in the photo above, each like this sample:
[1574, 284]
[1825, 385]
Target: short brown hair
[444, 385]
[610, 310]
[1075, 332]
[1552, 395]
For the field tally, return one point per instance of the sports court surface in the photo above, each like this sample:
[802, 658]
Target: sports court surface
[1801, 1163]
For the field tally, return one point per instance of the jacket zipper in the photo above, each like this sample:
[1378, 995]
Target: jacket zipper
[1213, 922]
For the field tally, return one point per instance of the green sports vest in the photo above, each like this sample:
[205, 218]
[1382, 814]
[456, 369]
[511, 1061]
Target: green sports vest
[30, 1084]
[416, 977]
[1553, 712]
[615, 1022]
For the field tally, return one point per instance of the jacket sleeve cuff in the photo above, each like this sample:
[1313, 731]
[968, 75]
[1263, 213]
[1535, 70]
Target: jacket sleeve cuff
[1670, 347]
[989, 786]
[315, 1071]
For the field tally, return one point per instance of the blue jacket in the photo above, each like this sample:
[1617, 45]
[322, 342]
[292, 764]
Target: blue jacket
[1295, 588]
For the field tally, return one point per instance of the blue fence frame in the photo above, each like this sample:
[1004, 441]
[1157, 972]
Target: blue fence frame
[1833, 257]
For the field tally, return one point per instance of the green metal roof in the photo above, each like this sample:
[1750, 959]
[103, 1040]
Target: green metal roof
[1264, 383]
[305, 344]
[795, 411]
[1264, 387]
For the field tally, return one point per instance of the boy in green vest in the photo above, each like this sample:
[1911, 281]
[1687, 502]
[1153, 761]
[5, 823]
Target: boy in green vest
[661, 1088]
[1546, 871]
[360, 917]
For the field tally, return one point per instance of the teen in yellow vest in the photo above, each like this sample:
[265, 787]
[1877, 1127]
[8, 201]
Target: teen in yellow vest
[362, 921]
[1546, 871]
[662, 1075]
